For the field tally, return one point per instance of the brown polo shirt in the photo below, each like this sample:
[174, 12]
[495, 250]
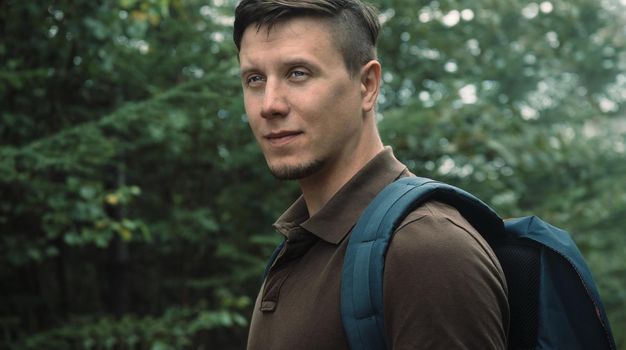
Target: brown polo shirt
[442, 287]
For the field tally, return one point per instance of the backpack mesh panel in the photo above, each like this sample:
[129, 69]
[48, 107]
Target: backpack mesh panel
[521, 269]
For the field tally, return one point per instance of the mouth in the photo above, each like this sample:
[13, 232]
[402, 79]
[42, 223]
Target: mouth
[282, 137]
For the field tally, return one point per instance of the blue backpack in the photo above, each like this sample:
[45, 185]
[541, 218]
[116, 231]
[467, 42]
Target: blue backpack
[553, 301]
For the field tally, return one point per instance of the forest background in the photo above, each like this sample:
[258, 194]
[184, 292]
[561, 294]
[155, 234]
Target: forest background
[136, 209]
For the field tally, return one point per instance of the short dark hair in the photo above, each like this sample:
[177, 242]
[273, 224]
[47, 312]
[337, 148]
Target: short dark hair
[355, 23]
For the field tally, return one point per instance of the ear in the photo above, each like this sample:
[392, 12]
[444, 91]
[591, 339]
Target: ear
[370, 84]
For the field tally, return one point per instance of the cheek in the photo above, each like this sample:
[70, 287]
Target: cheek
[254, 126]
[251, 113]
[328, 99]
[248, 103]
[343, 105]
[348, 94]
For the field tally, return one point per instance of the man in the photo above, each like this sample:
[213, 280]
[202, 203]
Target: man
[310, 80]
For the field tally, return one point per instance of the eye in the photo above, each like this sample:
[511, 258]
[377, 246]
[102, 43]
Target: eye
[255, 80]
[298, 75]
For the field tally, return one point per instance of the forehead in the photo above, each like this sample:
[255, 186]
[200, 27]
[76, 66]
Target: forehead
[303, 36]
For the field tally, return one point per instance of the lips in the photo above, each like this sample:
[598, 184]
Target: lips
[282, 137]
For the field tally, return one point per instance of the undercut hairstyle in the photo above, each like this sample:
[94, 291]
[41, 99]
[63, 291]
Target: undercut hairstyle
[354, 24]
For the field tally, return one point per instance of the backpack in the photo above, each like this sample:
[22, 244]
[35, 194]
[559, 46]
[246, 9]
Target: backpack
[553, 301]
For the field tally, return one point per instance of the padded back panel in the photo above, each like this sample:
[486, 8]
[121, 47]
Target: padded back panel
[521, 268]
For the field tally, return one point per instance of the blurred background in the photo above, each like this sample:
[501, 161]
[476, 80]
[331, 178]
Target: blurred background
[136, 209]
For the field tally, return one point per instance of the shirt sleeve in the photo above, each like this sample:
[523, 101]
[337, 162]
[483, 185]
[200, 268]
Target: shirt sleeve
[443, 287]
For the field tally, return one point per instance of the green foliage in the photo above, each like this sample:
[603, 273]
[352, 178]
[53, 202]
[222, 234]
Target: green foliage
[136, 208]
[177, 328]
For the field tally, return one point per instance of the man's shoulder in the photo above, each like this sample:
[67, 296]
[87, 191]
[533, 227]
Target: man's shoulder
[436, 265]
[435, 215]
[437, 230]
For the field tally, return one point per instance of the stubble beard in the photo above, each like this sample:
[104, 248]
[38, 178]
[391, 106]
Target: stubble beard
[297, 172]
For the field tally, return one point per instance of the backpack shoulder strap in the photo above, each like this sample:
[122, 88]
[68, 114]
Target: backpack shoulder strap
[362, 274]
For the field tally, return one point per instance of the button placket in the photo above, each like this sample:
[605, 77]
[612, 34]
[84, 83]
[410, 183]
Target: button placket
[298, 243]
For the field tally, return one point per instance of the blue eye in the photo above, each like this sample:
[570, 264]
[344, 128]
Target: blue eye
[298, 74]
[255, 79]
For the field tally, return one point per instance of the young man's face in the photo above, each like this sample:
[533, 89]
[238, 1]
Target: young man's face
[304, 108]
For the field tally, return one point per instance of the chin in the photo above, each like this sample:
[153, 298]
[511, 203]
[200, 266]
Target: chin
[296, 171]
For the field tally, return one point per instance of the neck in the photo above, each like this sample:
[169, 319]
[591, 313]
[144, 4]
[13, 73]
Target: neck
[320, 187]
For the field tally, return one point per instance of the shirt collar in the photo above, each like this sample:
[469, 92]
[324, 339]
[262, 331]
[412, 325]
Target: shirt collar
[333, 221]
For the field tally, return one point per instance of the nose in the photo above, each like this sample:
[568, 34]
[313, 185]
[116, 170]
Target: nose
[274, 101]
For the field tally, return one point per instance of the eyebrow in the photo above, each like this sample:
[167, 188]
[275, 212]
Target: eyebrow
[247, 71]
[287, 63]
